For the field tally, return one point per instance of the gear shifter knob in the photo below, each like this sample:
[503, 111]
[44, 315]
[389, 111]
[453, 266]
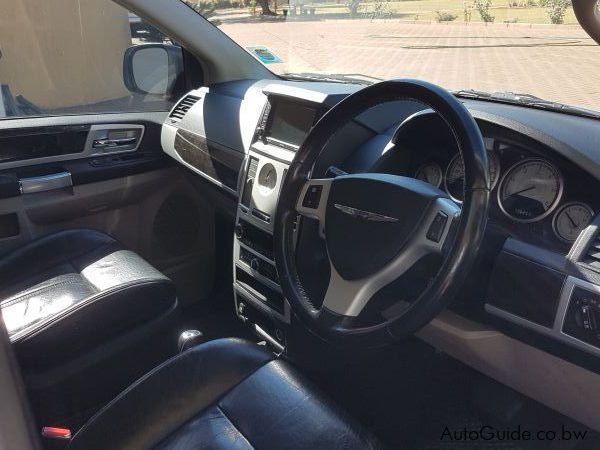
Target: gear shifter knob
[189, 339]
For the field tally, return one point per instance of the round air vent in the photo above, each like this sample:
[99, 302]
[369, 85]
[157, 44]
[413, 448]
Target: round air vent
[176, 226]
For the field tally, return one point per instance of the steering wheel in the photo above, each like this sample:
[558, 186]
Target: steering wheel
[378, 226]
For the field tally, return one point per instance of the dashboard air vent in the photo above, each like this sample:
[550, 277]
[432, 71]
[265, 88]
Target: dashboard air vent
[183, 107]
[592, 255]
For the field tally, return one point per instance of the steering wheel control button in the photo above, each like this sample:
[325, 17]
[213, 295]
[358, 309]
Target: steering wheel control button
[436, 229]
[312, 196]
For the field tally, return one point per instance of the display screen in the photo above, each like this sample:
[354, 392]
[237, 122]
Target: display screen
[290, 122]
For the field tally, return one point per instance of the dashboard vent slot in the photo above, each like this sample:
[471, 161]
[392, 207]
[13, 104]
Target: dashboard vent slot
[592, 255]
[183, 107]
[247, 192]
[252, 168]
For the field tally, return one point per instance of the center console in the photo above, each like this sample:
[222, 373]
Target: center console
[283, 126]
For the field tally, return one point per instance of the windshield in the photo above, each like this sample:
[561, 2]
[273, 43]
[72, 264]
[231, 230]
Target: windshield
[531, 47]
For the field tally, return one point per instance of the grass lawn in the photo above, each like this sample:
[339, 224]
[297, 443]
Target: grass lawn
[426, 10]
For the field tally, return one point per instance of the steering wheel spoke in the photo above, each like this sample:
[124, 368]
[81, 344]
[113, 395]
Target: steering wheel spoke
[349, 297]
[312, 201]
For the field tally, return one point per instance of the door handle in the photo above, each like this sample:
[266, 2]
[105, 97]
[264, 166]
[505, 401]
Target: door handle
[107, 143]
[44, 183]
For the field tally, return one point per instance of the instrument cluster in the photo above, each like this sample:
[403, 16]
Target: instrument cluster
[526, 188]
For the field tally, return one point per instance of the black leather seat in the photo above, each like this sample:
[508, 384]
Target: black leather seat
[72, 291]
[225, 394]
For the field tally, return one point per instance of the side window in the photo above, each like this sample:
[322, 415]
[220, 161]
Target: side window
[64, 57]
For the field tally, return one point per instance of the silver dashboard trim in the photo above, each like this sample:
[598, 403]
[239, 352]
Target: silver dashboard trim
[556, 332]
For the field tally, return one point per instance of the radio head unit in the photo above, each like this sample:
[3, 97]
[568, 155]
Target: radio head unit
[286, 122]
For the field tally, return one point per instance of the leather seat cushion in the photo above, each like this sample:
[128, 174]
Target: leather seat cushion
[225, 394]
[73, 290]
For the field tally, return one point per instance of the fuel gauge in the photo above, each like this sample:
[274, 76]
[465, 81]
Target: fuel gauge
[571, 220]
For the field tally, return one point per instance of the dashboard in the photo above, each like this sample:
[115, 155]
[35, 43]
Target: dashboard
[533, 297]
[537, 196]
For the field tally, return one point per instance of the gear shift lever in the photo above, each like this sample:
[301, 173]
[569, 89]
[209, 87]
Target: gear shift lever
[189, 339]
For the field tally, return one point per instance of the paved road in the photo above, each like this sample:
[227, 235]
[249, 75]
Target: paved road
[559, 63]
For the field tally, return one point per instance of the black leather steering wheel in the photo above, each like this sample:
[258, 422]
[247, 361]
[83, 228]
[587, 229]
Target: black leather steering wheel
[378, 226]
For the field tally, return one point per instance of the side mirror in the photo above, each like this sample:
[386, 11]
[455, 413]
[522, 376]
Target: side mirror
[155, 69]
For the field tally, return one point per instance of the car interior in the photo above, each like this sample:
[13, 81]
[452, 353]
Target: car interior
[249, 261]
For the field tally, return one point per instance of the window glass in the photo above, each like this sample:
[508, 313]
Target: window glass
[79, 57]
[511, 48]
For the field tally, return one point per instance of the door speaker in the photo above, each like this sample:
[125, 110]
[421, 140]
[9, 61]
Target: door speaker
[177, 225]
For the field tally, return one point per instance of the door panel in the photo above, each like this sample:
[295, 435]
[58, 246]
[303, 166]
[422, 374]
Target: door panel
[80, 141]
[130, 190]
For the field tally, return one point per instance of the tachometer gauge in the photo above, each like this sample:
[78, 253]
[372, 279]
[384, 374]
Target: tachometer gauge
[530, 190]
[571, 219]
[454, 181]
[430, 173]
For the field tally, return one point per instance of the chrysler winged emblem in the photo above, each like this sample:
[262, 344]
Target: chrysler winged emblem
[366, 215]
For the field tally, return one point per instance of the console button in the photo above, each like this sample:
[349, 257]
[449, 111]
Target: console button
[312, 196]
[581, 320]
[588, 318]
[239, 230]
[436, 229]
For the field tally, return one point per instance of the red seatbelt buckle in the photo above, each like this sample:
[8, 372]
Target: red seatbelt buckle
[56, 433]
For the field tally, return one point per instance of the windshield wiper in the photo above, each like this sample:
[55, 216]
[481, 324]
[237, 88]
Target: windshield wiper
[532, 101]
[351, 78]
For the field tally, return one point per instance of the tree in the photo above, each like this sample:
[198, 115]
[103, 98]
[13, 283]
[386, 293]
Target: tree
[353, 6]
[266, 10]
[483, 6]
[556, 9]
[381, 9]
[205, 8]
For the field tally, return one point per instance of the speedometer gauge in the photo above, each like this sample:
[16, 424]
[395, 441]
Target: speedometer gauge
[530, 190]
[430, 173]
[571, 219]
[454, 181]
